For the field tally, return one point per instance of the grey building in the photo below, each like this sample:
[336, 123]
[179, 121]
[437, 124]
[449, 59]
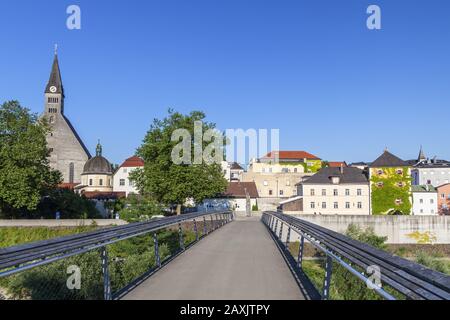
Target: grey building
[433, 172]
[68, 154]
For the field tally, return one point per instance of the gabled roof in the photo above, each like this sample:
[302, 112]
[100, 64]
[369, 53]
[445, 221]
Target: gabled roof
[348, 175]
[292, 155]
[134, 161]
[337, 164]
[55, 78]
[237, 190]
[387, 159]
[236, 166]
[75, 133]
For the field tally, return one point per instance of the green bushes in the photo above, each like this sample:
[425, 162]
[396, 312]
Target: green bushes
[128, 260]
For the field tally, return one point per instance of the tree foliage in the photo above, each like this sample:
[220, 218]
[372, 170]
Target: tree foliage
[25, 174]
[170, 183]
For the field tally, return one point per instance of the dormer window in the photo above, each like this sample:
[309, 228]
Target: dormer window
[380, 172]
[380, 184]
[399, 171]
[398, 201]
[335, 180]
[401, 184]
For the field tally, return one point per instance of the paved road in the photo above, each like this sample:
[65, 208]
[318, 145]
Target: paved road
[239, 261]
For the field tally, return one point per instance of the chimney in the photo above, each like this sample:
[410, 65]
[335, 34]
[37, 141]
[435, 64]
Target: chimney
[342, 168]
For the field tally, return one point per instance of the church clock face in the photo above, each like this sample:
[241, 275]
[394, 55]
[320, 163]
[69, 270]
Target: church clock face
[52, 89]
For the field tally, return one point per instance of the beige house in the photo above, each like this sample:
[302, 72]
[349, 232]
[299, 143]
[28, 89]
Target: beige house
[342, 190]
[277, 173]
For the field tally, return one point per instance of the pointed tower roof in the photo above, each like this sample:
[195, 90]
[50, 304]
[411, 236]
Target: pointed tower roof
[55, 78]
[387, 159]
[421, 155]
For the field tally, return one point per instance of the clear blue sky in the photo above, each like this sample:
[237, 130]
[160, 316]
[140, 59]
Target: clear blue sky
[310, 68]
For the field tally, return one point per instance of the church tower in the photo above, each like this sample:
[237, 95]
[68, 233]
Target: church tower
[68, 153]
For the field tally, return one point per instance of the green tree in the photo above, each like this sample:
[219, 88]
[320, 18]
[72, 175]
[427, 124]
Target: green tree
[138, 208]
[170, 183]
[25, 174]
[69, 204]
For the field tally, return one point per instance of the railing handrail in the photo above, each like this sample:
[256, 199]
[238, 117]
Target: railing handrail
[409, 278]
[26, 256]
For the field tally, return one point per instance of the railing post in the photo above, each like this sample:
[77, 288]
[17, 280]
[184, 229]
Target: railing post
[180, 233]
[276, 226]
[281, 231]
[217, 223]
[212, 224]
[327, 279]
[205, 229]
[157, 256]
[195, 230]
[288, 238]
[300, 252]
[106, 279]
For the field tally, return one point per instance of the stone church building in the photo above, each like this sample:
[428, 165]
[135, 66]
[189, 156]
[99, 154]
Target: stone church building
[68, 152]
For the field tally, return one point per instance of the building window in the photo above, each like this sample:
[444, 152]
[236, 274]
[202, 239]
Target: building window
[432, 201]
[288, 183]
[347, 192]
[51, 150]
[380, 184]
[347, 205]
[401, 184]
[359, 192]
[324, 192]
[324, 205]
[265, 183]
[100, 182]
[313, 192]
[380, 172]
[336, 205]
[270, 192]
[71, 172]
[281, 192]
[130, 183]
[90, 182]
[295, 170]
[399, 171]
[398, 201]
[421, 201]
[335, 192]
[122, 182]
[313, 205]
[359, 205]
[52, 119]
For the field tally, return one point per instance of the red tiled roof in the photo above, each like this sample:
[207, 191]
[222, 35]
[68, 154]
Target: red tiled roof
[67, 185]
[237, 190]
[133, 162]
[337, 164]
[292, 155]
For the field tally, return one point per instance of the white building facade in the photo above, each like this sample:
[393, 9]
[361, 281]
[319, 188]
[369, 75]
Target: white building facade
[336, 191]
[122, 182]
[425, 200]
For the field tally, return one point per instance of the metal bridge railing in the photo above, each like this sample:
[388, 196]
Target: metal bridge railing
[409, 279]
[93, 247]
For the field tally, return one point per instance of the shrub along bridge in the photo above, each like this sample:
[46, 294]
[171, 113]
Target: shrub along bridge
[242, 258]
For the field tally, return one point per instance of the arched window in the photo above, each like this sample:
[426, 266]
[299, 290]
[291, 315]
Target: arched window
[71, 172]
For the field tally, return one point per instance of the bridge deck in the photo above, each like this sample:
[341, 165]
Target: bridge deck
[239, 261]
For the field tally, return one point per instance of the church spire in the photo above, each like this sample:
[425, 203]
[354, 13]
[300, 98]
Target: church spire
[421, 155]
[54, 84]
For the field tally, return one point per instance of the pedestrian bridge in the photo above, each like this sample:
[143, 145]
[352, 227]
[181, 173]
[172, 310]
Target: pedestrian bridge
[227, 257]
